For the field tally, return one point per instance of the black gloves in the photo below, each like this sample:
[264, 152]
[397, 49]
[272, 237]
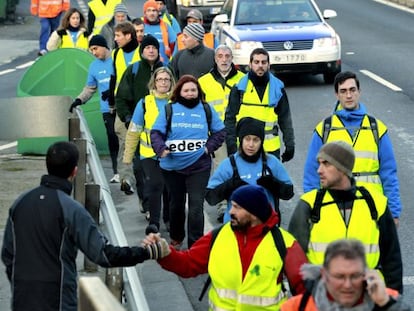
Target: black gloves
[278, 189]
[109, 96]
[288, 154]
[77, 102]
[224, 191]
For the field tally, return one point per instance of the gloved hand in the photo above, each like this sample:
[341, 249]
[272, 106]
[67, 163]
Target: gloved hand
[105, 94]
[288, 154]
[267, 181]
[158, 250]
[77, 102]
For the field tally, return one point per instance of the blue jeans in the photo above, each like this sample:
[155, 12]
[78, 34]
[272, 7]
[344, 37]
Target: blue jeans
[47, 26]
[179, 185]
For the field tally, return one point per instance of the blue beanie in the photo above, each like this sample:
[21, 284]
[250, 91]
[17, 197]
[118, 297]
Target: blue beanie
[253, 199]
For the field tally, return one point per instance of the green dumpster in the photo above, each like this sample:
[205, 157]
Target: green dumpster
[63, 72]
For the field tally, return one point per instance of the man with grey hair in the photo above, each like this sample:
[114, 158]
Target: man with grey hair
[344, 282]
[217, 85]
[108, 30]
[196, 59]
[341, 209]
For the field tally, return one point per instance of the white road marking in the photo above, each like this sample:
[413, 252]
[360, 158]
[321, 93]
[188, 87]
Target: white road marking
[6, 71]
[25, 65]
[395, 5]
[408, 280]
[7, 146]
[381, 80]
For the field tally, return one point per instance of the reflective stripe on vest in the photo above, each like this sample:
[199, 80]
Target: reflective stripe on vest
[331, 226]
[258, 290]
[216, 96]
[81, 42]
[366, 149]
[150, 115]
[252, 106]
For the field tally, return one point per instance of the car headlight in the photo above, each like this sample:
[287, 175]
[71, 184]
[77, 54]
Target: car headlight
[325, 42]
[241, 45]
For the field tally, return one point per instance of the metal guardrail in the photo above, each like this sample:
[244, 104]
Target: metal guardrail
[132, 286]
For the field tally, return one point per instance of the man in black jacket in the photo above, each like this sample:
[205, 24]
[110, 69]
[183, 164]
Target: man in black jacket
[44, 231]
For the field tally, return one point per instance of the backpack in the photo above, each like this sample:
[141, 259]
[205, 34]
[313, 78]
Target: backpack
[280, 246]
[316, 210]
[327, 125]
[168, 114]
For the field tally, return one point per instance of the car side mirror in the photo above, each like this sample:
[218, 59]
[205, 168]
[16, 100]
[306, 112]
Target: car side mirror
[327, 14]
[222, 18]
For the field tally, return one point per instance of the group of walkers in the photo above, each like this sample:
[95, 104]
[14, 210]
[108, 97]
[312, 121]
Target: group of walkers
[195, 129]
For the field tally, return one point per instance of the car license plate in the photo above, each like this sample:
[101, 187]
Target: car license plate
[215, 10]
[289, 58]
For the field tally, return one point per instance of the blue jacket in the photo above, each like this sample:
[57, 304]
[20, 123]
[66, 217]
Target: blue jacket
[388, 165]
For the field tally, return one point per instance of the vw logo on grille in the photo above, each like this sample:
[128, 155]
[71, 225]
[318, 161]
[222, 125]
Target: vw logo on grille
[288, 45]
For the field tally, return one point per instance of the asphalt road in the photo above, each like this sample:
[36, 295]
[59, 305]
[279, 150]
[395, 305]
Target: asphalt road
[377, 44]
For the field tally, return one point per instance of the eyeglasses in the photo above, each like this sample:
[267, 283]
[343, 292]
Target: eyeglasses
[341, 278]
[165, 80]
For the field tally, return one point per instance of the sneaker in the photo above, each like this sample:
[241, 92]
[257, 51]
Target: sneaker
[115, 179]
[42, 52]
[126, 187]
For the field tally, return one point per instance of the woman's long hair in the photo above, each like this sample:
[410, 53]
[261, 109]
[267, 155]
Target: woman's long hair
[184, 79]
[151, 83]
[65, 19]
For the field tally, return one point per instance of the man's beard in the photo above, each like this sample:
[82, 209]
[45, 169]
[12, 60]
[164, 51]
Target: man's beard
[242, 227]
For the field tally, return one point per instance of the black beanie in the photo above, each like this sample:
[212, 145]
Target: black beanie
[149, 40]
[253, 199]
[250, 126]
[98, 40]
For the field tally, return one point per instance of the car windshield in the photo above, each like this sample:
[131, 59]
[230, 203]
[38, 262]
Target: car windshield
[250, 12]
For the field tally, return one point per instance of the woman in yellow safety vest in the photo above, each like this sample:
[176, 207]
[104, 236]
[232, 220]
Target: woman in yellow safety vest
[72, 32]
[145, 114]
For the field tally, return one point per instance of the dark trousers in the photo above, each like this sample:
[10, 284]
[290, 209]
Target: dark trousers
[178, 186]
[153, 189]
[113, 143]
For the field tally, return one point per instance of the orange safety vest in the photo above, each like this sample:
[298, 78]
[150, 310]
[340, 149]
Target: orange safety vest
[208, 41]
[48, 8]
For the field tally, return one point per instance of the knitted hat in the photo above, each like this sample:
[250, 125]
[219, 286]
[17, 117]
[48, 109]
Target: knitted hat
[196, 14]
[253, 199]
[339, 154]
[250, 126]
[195, 31]
[120, 8]
[149, 40]
[150, 4]
[99, 41]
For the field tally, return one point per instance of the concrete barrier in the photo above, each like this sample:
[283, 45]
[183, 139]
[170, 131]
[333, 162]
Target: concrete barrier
[95, 296]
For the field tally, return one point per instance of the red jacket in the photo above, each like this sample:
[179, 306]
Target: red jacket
[192, 262]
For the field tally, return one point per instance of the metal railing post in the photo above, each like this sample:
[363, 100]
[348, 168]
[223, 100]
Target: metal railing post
[80, 179]
[114, 280]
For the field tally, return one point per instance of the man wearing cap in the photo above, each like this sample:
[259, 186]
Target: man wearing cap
[108, 30]
[167, 17]
[341, 209]
[99, 75]
[161, 30]
[245, 267]
[99, 13]
[250, 165]
[375, 164]
[196, 59]
[132, 87]
[195, 16]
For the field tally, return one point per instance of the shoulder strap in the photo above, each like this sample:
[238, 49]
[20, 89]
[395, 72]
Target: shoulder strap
[116, 51]
[327, 123]
[168, 115]
[374, 128]
[304, 301]
[207, 110]
[135, 68]
[233, 165]
[316, 210]
[370, 201]
[279, 242]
